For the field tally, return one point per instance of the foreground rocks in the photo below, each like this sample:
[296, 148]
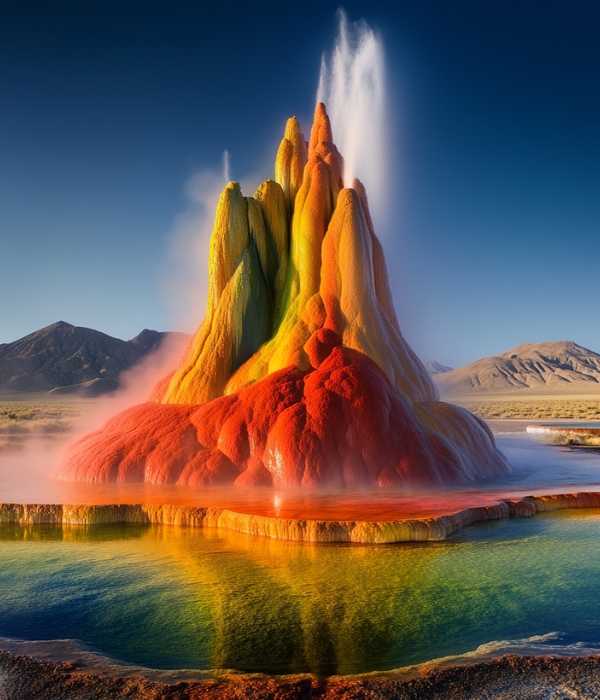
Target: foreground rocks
[507, 678]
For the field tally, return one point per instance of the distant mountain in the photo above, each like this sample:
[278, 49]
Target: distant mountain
[147, 341]
[62, 358]
[558, 367]
[434, 367]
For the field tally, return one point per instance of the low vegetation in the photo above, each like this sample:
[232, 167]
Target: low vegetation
[534, 409]
[46, 420]
[41, 419]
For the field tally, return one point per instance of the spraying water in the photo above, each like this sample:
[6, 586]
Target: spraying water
[352, 85]
[226, 168]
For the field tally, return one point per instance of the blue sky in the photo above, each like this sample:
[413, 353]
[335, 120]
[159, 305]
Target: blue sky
[108, 109]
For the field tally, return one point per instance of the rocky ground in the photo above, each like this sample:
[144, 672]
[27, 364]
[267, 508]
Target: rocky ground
[507, 678]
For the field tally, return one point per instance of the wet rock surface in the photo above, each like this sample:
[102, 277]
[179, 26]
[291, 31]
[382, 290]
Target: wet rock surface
[302, 530]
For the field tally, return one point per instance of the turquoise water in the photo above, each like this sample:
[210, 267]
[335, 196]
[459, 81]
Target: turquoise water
[178, 598]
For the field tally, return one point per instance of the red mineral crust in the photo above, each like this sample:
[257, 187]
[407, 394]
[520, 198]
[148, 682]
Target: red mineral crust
[299, 375]
[339, 424]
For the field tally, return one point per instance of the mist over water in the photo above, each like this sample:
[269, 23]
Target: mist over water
[26, 477]
[30, 457]
[352, 86]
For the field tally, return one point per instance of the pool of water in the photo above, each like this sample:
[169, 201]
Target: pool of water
[171, 598]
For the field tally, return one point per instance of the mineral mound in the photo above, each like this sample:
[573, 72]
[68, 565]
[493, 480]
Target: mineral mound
[299, 374]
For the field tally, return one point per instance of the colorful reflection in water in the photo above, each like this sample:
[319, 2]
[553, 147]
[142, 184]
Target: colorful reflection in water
[178, 598]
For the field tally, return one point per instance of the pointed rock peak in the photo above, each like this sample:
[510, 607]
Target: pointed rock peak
[321, 129]
[360, 190]
[146, 337]
[290, 161]
[293, 129]
[299, 374]
[359, 187]
[265, 188]
[229, 238]
[230, 197]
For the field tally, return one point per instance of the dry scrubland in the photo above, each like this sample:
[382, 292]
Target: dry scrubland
[37, 418]
[547, 408]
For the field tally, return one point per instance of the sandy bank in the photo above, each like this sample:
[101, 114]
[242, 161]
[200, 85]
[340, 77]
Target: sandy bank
[364, 532]
[506, 678]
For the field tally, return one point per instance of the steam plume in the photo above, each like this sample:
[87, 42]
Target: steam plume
[352, 85]
[187, 277]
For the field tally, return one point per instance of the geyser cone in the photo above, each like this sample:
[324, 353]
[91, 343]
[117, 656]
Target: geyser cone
[299, 374]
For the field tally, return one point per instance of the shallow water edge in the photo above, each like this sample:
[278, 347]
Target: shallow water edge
[428, 529]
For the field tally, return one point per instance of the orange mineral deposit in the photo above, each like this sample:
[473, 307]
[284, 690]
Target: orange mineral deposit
[299, 374]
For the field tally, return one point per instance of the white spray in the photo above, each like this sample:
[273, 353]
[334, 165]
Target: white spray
[226, 173]
[352, 86]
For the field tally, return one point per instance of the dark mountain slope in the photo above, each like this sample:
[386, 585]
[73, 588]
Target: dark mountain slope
[66, 358]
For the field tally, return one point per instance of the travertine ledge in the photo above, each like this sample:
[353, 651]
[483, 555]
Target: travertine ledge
[364, 532]
[567, 435]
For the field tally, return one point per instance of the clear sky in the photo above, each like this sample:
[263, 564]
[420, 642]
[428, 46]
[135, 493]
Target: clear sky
[109, 109]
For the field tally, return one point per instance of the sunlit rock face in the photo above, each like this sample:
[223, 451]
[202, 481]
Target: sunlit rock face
[299, 374]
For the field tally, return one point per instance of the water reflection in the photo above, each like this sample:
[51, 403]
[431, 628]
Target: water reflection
[177, 598]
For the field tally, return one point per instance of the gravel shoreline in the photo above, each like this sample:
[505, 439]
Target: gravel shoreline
[509, 677]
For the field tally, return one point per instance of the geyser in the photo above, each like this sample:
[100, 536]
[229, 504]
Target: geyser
[352, 85]
[299, 374]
